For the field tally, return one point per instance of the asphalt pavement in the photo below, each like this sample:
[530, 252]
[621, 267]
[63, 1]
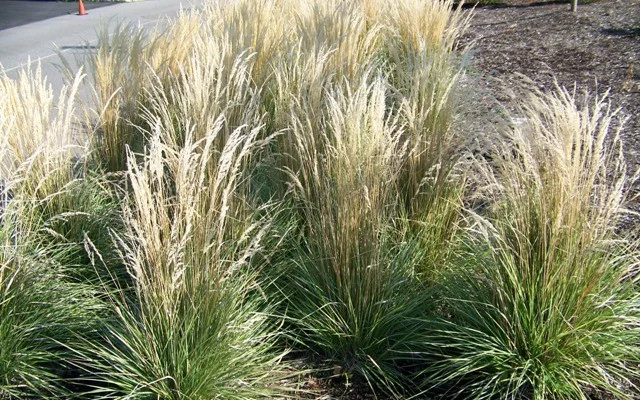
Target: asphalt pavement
[70, 34]
[21, 12]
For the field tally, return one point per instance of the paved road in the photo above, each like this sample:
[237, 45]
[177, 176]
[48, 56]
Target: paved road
[71, 33]
[21, 12]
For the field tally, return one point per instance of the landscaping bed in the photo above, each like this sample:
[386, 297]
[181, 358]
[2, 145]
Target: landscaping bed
[326, 199]
[596, 49]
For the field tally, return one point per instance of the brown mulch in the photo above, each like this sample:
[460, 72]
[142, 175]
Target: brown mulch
[596, 49]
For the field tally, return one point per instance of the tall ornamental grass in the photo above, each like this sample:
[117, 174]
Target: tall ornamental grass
[43, 153]
[362, 100]
[38, 133]
[43, 308]
[274, 173]
[194, 327]
[370, 160]
[543, 302]
[348, 286]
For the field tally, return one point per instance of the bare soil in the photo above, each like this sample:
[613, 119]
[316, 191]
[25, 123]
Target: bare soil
[594, 50]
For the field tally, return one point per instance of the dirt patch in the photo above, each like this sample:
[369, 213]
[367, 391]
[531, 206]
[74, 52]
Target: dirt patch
[596, 49]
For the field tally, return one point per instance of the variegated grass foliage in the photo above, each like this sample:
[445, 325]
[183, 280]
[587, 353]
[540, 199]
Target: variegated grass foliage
[290, 173]
[42, 304]
[543, 299]
[38, 134]
[195, 328]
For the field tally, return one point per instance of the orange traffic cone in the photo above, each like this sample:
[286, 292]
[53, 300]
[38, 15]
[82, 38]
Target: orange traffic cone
[81, 10]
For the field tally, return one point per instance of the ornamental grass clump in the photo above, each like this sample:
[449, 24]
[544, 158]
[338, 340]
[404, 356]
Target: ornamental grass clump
[194, 327]
[542, 302]
[38, 135]
[42, 311]
[369, 162]
[348, 287]
[43, 307]
[44, 168]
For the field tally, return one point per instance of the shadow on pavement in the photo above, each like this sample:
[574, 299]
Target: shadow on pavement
[21, 12]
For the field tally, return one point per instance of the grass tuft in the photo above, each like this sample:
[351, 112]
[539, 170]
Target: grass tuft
[542, 302]
[194, 328]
